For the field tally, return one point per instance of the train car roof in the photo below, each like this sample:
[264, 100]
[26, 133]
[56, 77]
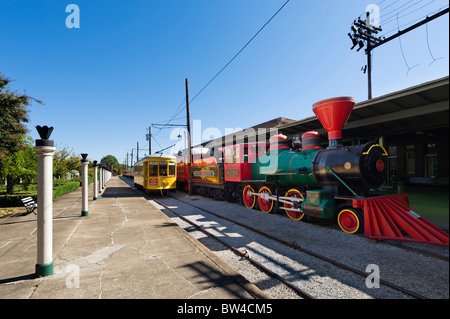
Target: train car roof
[158, 156]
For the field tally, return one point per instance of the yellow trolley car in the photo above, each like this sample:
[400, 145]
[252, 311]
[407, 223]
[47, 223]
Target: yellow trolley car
[156, 173]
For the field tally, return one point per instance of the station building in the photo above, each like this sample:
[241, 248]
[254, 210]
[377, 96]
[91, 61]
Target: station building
[411, 124]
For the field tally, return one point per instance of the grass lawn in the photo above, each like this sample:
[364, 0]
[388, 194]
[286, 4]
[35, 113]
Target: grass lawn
[430, 203]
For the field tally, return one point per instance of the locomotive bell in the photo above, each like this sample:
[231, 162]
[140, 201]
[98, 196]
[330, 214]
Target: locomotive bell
[296, 142]
[333, 114]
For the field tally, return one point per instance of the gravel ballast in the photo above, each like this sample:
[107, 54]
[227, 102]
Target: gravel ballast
[424, 275]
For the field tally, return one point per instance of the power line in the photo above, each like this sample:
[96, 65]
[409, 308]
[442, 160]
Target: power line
[394, 16]
[180, 108]
[413, 21]
[364, 31]
[401, 50]
[240, 51]
[429, 50]
[177, 112]
[400, 32]
[385, 14]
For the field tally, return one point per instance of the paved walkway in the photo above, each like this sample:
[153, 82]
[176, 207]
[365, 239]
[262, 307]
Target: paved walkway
[124, 248]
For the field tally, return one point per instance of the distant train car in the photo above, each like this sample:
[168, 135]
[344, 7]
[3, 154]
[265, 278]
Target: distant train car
[128, 172]
[204, 169]
[156, 173]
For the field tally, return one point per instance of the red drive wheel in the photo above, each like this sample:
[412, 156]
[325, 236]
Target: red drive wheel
[350, 220]
[248, 199]
[265, 205]
[293, 214]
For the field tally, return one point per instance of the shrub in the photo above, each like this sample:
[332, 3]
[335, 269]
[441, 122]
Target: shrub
[14, 200]
[65, 188]
[58, 190]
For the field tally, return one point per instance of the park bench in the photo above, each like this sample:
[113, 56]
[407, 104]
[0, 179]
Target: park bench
[29, 204]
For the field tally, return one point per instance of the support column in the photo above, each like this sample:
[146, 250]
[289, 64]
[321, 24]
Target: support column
[100, 175]
[44, 150]
[84, 185]
[95, 181]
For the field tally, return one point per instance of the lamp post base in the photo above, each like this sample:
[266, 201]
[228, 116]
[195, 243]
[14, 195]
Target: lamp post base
[43, 270]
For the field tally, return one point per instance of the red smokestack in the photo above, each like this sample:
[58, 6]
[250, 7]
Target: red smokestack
[333, 114]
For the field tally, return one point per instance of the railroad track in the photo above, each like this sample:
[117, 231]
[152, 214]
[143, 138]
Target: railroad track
[399, 245]
[244, 254]
[294, 245]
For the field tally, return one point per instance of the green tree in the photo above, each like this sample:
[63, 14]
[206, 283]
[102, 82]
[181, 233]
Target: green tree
[65, 161]
[13, 115]
[112, 161]
[21, 164]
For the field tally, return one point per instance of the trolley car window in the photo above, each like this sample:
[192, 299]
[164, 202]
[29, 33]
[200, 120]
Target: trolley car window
[171, 169]
[236, 154]
[245, 154]
[162, 168]
[153, 169]
[228, 156]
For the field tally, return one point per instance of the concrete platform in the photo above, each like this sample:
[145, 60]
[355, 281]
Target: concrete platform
[125, 248]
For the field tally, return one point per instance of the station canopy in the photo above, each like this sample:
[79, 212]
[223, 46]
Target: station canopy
[419, 108]
[423, 107]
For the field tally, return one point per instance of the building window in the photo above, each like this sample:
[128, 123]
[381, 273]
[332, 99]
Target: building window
[431, 165]
[392, 162]
[410, 160]
[431, 161]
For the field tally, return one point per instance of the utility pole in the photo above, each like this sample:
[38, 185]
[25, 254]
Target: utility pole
[189, 137]
[131, 163]
[364, 31]
[137, 155]
[150, 140]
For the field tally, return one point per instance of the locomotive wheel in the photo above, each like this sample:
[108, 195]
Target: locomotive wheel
[291, 214]
[265, 205]
[248, 200]
[350, 220]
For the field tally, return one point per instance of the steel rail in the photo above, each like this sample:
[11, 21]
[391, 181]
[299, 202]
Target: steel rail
[295, 245]
[298, 290]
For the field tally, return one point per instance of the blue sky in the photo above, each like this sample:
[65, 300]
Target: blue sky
[105, 83]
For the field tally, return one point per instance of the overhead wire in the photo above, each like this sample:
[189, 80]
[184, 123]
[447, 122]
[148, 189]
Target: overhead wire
[393, 17]
[387, 13]
[239, 52]
[429, 50]
[401, 49]
[179, 109]
[413, 21]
